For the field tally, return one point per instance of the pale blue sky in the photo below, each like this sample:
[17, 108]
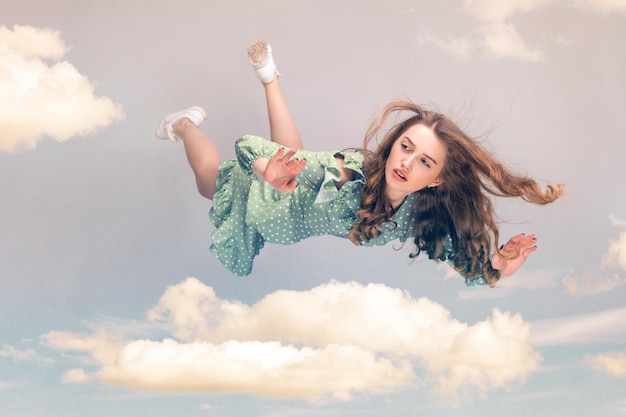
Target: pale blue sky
[112, 305]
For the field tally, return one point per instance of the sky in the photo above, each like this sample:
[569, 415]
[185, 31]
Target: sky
[112, 305]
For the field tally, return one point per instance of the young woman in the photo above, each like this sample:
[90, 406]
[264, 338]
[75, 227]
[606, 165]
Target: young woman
[426, 181]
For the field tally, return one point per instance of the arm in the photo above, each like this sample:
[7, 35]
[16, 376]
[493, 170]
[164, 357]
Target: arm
[281, 170]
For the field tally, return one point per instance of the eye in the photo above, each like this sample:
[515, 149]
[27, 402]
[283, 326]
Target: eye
[425, 162]
[405, 146]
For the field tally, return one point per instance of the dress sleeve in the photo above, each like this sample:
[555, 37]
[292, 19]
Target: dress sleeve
[250, 148]
[320, 173]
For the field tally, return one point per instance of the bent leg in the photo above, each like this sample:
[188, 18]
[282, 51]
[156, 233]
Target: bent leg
[202, 155]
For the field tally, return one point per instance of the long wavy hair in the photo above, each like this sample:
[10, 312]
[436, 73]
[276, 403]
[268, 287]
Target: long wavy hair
[459, 208]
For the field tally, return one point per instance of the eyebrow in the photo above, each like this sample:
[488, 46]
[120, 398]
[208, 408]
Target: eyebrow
[425, 154]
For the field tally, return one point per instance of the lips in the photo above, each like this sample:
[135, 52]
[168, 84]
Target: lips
[399, 175]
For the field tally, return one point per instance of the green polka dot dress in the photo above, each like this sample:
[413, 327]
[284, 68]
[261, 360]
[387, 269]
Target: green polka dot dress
[247, 211]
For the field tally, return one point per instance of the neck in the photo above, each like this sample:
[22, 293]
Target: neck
[396, 200]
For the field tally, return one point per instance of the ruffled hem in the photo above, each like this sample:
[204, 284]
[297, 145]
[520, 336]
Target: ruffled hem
[234, 244]
[223, 198]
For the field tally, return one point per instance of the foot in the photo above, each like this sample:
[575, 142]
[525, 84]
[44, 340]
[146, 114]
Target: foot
[262, 62]
[165, 131]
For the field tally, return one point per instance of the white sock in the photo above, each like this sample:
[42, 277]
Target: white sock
[265, 70]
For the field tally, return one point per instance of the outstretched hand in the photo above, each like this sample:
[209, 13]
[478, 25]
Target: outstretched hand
[282, 169]
[514, 253]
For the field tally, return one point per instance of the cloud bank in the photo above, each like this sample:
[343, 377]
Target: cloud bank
[42, 96]
[331, 342]
[495, 34]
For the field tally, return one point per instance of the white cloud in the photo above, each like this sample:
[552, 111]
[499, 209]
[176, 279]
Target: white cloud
[11, 352]
[603, 326]
[501, 40]
[602, 6]
[27, 355]
[101, 346]
[537, 279]
[616, 221]
[592, 283]
[267, 368]
[616, 255]
[491, 344]
[75, 376]
[498, 36]
[321, 343]
[522, 279]
[39, 98]
[33, 42]
[613, 365]
[458, 46]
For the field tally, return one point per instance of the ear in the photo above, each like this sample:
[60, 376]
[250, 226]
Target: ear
[437, 182]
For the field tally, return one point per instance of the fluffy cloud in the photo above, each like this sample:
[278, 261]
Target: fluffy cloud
[267, 368]
[11, 352]
[76, 375]
[329, 342]
[40, 95]
[616, 255]
[19, 355]
[101, 346]
[595, 283]
[614, 365]
[458, 46]
[501, 40]
[496, 35]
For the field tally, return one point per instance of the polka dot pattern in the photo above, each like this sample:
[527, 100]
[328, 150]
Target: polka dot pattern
[247, 211]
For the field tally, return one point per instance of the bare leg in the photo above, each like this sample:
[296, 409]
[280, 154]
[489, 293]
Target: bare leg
[202, 155]
[283, 129]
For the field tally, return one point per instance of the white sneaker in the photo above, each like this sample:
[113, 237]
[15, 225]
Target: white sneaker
[164, 129]
[262, 61]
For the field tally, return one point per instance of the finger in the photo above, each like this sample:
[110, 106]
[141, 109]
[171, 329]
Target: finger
[290, 153]
[530, 240]
[528, 251]
[299, 165]
[279, 154]
[292, 162]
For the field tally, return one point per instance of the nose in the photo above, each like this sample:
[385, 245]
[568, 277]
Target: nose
[407, 164]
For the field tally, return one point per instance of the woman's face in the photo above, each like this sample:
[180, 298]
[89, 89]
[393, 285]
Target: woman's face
[415, 162]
